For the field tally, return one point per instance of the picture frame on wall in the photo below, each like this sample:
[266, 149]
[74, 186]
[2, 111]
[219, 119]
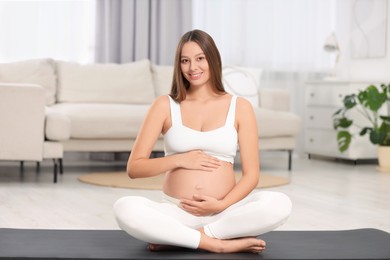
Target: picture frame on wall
[368, 29]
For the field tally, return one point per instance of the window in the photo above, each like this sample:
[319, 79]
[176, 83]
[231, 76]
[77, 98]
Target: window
[62, 30]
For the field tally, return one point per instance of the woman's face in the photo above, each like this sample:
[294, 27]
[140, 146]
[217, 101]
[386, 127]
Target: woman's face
[194, 65]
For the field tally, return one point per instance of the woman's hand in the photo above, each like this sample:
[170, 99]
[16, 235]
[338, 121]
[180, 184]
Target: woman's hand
[202, 205]
[198, 160]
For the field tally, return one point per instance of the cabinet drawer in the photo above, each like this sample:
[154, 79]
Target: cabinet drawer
[324, 142]
[321, 142]
[319, 117]
[327, 95]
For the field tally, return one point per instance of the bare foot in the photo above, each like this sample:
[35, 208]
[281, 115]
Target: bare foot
[245, 244]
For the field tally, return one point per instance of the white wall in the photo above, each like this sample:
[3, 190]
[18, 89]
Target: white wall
[363, 69]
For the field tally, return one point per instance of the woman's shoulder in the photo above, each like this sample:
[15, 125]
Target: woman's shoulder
[161, 101]
[160, 104]
[243, 103]
[244, 109]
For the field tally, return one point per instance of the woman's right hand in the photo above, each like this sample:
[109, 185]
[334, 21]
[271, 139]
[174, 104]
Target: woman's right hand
[198, 160]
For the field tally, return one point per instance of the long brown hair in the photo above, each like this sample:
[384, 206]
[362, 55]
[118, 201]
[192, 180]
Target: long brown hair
[180, 84]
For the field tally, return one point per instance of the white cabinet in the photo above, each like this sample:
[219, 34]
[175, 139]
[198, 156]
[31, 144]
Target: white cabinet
[323, 99]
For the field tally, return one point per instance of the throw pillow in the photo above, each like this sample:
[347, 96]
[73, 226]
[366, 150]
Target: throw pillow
[129, 83]
[243, 82]
[36, 71]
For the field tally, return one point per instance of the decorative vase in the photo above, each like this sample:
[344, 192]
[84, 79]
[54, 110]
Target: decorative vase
[384, 158]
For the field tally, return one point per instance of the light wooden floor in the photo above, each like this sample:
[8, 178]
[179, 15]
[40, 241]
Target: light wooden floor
[327, 195]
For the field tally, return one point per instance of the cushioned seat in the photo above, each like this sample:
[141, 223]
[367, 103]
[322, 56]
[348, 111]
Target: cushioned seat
[102, 121]
[273, 123]
[57, 125]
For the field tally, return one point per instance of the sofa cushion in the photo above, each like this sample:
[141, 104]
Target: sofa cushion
[57, 125]
[99, 121]
[38, 71]
[162, 79]
[274, 99]
[129, 83]
[273, 123]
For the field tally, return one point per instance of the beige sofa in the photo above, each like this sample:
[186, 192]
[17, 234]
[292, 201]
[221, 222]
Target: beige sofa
[99, 107]
[22, 117]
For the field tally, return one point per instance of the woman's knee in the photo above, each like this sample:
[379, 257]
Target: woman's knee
[283, 205]
[279, 202]
[129, 212]
[128, 206]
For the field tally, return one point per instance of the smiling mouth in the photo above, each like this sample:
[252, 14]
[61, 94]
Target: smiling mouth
[195, 76]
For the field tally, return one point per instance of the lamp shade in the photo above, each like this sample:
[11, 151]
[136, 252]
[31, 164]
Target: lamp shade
[331, 44]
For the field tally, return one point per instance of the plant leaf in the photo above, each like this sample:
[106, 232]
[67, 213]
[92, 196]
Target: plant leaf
[349, 101]
[377, 137]
[374, 100]
[385, 129]
[385, 118]
[344, 140]
[362, 96]
[365, 130]
[385, 88]
[342, 122]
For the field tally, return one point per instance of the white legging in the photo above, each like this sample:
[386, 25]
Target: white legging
[166, 223]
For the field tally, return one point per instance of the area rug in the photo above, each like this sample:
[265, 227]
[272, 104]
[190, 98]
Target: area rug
[121, 180]
[116, 244]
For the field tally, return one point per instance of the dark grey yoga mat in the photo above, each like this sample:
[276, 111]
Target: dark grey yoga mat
[115, 244]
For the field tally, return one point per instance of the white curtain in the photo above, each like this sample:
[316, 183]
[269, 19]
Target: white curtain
[273, 34]
[284, 38]
[61, 30]
[130, 30]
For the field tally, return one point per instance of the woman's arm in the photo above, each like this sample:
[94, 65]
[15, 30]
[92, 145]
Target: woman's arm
[156, 122]
[139, 164]
[248, 140]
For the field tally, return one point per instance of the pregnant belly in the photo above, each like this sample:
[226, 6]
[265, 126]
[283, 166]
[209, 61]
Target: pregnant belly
[183, 183]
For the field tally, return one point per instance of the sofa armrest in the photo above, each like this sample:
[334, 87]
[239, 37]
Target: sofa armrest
[21, 121]
[274, 99]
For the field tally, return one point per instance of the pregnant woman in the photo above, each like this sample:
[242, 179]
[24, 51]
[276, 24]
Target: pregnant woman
[202, 205]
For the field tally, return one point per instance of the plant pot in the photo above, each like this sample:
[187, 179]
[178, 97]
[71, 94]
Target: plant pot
[384, 158]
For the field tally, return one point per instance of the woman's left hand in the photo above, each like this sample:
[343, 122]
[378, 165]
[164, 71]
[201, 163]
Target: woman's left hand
[201, 205]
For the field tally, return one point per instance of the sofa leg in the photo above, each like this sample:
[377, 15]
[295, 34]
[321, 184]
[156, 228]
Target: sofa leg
[21, 171]
[55, 170]
[289, 159]
[61, 166]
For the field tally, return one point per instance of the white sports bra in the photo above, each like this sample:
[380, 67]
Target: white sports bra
[220, 143]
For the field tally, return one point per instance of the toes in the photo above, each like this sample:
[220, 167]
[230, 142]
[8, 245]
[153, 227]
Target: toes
[257, 250]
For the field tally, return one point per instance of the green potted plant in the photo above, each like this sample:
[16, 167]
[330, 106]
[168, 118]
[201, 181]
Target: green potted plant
[367, 103]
